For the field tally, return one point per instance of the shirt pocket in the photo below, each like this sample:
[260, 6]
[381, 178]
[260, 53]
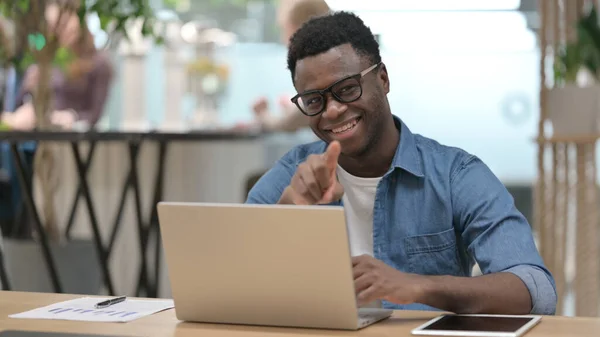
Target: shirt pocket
[433, 254]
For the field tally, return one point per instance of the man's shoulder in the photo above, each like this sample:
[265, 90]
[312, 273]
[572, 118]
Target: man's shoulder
[300, 153]
[432, 152]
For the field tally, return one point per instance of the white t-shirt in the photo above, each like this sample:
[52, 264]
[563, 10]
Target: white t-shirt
[359, 200]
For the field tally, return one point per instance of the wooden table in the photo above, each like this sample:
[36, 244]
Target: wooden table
[165, 324]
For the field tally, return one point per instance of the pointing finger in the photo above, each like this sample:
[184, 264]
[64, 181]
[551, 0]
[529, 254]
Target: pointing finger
[332, 154]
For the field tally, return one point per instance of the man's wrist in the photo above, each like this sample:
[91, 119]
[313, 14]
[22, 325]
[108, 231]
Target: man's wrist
[427, 288]
[448, 293]
[285, 199]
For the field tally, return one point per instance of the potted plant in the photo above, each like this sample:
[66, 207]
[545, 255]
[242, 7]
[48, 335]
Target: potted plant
[26, 39]
[574, 101]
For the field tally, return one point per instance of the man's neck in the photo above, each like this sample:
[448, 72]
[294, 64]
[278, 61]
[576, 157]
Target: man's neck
[378, 159]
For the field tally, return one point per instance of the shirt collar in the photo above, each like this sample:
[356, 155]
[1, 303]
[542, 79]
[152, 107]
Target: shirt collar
[407, 156]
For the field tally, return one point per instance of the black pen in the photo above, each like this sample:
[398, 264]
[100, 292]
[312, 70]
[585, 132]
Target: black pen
[108, 303]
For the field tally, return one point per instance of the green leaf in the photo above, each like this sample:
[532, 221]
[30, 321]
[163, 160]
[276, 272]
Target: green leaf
[113, 14]
[4, 127]
[36, 41]
[23, 5]
[25, 62]
[63, 58]
[171, 3]
[104, 22]
[582, 53]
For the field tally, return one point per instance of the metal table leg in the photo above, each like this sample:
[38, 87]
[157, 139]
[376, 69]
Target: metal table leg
[3, 273]
[158, 195]
[117, 222]
[102, 255]
[26, 189]
[153, 223]
[79, 193]
[134, 149]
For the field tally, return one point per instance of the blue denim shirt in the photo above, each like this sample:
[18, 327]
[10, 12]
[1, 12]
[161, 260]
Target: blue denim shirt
[438, 210]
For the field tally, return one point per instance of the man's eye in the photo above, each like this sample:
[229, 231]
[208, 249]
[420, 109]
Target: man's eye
[348, 89]
[313, 101]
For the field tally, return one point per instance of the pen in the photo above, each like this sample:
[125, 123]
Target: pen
[108, 303]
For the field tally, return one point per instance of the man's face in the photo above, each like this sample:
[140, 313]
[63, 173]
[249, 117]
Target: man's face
[356, 125]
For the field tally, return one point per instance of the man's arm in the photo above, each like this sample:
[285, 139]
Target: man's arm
[497, 293]
[498, 237]
[269, 188]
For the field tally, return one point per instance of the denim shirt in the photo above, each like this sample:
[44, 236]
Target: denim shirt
[437, 211]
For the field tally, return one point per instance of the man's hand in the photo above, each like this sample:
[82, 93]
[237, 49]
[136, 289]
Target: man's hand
[374, 280]
[315, 181]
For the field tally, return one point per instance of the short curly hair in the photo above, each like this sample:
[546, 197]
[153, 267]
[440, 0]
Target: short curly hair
[320, 34]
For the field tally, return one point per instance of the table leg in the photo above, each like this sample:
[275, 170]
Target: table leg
[158, 195]
[153, 224]
[102, 255]
[3, 273]
[26, 189]
[79, 193]
[119, 215]
[143, 282]
[18, 221]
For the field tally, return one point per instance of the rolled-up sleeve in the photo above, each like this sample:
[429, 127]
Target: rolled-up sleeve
[541, 287]
[497, 236]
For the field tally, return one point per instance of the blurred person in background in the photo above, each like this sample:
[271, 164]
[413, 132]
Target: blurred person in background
[292, 14]
[80, 91]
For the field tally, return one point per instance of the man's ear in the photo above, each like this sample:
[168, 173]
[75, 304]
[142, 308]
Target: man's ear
[384, 78]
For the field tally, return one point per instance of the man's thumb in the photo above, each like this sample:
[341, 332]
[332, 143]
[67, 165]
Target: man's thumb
[332, 154]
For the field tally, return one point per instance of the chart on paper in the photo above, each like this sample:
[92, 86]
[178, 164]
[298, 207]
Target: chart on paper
[75, 311]
[82, 309]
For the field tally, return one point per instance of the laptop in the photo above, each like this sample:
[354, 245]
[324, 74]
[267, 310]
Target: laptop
[268, 265]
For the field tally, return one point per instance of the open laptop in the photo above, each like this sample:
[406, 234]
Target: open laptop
[270, 265]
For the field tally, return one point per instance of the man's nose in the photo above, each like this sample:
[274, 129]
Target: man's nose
[334, 108]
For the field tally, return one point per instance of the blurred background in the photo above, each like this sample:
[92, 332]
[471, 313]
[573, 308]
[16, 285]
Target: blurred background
[465, 73]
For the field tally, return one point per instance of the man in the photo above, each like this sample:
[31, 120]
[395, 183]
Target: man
[419, 214]
[292, 14]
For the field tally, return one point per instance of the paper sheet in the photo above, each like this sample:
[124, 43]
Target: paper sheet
[82, 309]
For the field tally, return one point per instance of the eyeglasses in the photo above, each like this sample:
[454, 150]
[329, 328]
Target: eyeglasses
[346, 90]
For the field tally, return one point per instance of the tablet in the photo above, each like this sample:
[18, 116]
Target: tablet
[478, 325]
